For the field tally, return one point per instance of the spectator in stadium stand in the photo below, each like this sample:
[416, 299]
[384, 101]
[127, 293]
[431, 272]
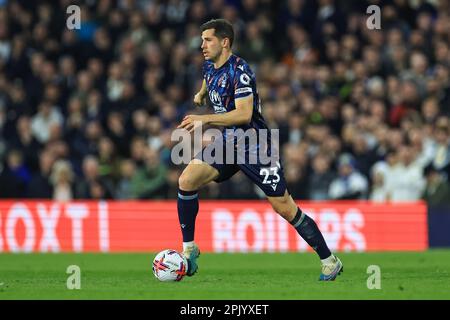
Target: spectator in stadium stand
[40, 186]
[74, 121]
[255, 48]
[18, 106]
[154, 131]
[441, 159]
[350, 184]
[296, 181]
[295, 155]
[95, 106]
[418, 71]
[96, 68]
[137, 151]
[405, 181]
[363, 155]
[115, 82]
[91, 185]
[332, 146]
[437, 190]
[410, 100]
[109, 162]
[139, 120]
[379, 192]
[84, 84]
[99, 190]
[15, 176]
[48, 116]
[168, 115]
[396, 138]
[381, 134]
[296, 127]
[173, 173]
[124, 186]
[116, 130]
[321, 177]
[67, 74]
[87, 143]
[430, 110]
[24, 140]
[18, 60]
[165, 150]
[422, 145]
[150, 181]
[61, 178]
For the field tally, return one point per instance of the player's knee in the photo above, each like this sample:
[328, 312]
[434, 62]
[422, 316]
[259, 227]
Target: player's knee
[284, 208]
[187, 183]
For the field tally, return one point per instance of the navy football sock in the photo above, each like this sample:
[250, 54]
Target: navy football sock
[308, 230]
[187, 212]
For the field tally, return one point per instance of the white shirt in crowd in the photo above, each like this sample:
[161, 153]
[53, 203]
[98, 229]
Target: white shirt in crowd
[41, 125]
[355, 182]
[405, 183]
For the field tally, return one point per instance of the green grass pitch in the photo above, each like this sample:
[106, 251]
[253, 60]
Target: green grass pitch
[404, 275]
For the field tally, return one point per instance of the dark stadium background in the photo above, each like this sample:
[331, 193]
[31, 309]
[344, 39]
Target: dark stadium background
[87, 114]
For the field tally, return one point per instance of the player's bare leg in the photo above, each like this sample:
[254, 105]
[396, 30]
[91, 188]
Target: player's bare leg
[284, 206]
[308, 230]
[194, 176]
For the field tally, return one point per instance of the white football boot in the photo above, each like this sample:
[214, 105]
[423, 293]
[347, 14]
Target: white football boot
[331, 270]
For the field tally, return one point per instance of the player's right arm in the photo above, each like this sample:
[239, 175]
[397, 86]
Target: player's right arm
[200, 97]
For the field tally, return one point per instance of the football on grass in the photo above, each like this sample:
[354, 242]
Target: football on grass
[169, 265]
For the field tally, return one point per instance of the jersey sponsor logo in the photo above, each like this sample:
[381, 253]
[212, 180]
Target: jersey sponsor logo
[245, 79]
[219, 109]
[243, 90]
[223, 80]
[241, 67]
[217, 102]
[215, 97]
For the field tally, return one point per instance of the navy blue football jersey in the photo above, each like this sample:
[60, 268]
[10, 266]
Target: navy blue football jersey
[232, 81]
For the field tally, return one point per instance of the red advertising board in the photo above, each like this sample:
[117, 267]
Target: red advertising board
[222, 226]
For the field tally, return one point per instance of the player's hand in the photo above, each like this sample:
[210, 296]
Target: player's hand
[200, 99]
[190, 122]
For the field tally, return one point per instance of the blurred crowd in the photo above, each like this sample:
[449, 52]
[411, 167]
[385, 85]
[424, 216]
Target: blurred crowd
[88, 113]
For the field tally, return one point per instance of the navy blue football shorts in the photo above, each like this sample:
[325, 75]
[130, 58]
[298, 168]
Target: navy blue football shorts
[267, 175]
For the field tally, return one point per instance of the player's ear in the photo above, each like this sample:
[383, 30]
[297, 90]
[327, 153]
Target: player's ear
[226, 42]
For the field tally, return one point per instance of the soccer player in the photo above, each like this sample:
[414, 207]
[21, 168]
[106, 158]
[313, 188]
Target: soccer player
[231, 86]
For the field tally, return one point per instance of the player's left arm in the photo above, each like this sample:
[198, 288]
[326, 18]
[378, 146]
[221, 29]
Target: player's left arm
[243, 98]
[239, 116]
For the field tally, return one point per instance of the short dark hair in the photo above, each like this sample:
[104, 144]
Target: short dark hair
[222, 29]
